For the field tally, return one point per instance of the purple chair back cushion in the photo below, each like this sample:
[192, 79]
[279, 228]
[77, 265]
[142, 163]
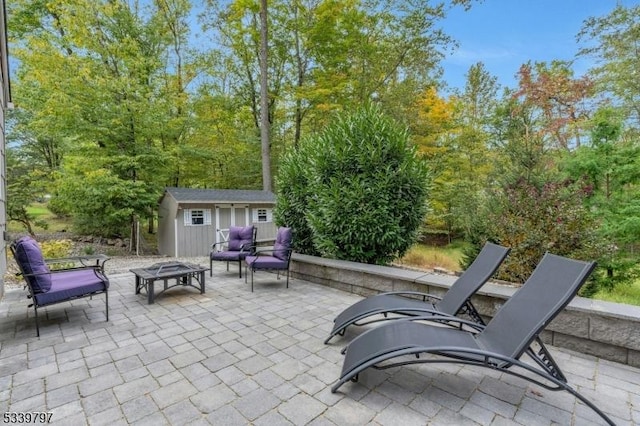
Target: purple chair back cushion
[240, 236]
[29, 257]
[283, 243]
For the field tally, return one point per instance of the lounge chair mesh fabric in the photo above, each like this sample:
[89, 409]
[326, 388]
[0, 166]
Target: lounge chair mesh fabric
[456, 300]
[498, 345]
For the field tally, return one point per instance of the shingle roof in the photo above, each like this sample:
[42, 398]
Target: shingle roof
[194, 195]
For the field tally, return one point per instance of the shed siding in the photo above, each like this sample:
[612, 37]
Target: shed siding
[266, 230]
[179, 240]
[166, 226]
[195, 240]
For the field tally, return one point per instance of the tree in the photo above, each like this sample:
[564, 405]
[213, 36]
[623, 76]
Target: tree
[265, 128]
[365, 189]
[433, 132]
[25, 186]
[472, 162]
[534, 219]
[558, 98]
[102, 85]
[612, 41]
[530, 207]
[454, 133]
[610, 166]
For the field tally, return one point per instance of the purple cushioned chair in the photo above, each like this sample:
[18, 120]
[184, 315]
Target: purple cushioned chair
[241, 242]
[85, 278]
[276, 258]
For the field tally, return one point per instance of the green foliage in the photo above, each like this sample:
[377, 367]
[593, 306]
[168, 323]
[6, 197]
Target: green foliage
[362, 188]
[532, 220]
[628, 293]
[56, 248]
[292, 184]
[611, 43]
[103, 204]
[25, 185]
[611, 167]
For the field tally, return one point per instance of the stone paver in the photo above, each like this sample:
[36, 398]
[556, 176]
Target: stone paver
[232, 357]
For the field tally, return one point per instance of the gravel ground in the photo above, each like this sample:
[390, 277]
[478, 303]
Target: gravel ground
[122, 264]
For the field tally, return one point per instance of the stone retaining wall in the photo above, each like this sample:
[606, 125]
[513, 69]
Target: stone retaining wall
[604, 329]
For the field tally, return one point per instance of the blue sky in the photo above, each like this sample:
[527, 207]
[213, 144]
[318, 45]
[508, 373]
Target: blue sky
[505, 34]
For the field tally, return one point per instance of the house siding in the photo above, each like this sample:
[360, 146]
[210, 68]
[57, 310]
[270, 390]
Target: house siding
[3, 199]
[5, 97]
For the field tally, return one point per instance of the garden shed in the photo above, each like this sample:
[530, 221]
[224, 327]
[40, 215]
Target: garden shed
[190, 220]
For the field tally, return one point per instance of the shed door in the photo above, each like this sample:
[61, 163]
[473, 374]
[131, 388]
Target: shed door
[228, 215]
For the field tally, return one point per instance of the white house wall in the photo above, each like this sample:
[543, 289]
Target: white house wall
[5, 97]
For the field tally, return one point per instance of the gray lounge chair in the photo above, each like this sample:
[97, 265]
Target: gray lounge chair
[456, 301]
[498, 345]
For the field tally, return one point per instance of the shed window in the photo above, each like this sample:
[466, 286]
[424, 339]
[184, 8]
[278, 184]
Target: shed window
[196, 217]
[262, 215]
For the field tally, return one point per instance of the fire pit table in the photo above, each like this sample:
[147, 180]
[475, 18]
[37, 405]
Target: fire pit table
[183, 273]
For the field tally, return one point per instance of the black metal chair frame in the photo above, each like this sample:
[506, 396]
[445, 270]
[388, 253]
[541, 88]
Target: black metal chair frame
[93, 262]
[246, 248]
[377, 347]
[457, 300]
[264, 252]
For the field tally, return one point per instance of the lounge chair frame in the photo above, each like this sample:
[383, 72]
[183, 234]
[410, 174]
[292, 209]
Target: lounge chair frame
[457, 301]
[377, 348]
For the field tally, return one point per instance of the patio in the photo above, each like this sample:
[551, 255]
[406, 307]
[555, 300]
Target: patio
[232, 357]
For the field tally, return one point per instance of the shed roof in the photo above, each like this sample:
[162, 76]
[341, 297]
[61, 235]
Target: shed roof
[196, 195]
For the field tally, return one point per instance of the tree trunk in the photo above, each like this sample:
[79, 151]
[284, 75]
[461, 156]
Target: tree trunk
[265, 127]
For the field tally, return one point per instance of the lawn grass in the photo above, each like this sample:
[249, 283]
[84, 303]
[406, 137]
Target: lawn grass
[39, 211]
[428, 257]
[622, 293]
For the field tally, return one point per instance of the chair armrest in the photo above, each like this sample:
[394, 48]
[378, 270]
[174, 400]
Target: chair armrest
[266, 250]
[424, 296]
[221, 243]
[96, 261]
[474, 326]
[249, 248]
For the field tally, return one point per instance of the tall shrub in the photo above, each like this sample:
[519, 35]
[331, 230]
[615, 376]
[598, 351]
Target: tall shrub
[292, 184]
[357, 190]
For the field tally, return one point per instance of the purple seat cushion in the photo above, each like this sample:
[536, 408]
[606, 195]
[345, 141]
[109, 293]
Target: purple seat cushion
[228, 255]
[266, 262]
[29, 257]
[74, 283]
[240, 236]
[283, 243]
